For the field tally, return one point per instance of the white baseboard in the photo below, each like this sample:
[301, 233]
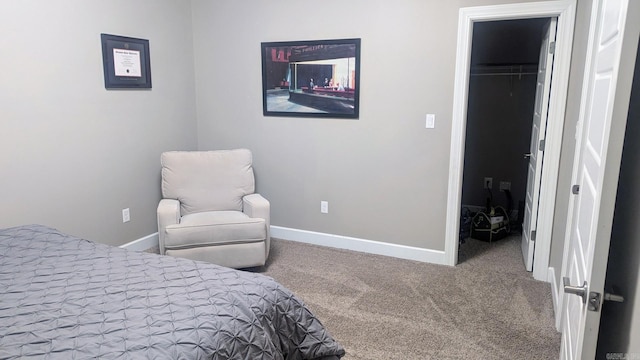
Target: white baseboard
[551, 278]
[143, 243]
[330, 240]
[361, 245]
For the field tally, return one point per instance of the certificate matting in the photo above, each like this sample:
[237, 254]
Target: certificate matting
[126, 62]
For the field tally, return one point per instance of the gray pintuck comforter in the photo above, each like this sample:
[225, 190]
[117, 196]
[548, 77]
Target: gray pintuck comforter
[66, 298]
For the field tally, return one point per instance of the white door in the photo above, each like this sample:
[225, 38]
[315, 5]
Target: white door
[591, 215]
[535, 155]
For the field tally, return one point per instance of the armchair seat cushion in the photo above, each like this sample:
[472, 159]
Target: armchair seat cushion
[211, 228]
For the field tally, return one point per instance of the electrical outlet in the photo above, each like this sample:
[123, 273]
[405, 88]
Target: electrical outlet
[505, 185]
[324, 207]
[488, 183]
[126, 215]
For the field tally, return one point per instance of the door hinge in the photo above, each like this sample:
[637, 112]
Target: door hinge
[552, 47]
[575, 189]
[533, 235]
[541, 145]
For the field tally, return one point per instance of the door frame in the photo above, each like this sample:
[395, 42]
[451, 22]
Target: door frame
[565, 11]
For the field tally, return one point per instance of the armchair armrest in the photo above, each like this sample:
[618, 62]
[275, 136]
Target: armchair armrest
[256, 206]
[168, 214]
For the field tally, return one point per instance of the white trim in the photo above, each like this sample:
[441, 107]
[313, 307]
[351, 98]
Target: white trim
[551, 279]
[553, 142]
[361, 245]
[143, 243]
[564, 10]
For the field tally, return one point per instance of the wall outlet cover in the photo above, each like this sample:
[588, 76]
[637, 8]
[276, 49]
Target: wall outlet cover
[126, 215]
[488, 183]
[505, 185]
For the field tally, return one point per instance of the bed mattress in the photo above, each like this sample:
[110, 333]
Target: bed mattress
[69, 298]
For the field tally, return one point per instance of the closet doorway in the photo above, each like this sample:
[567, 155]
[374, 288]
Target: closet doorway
[564, 11]
[509, 82]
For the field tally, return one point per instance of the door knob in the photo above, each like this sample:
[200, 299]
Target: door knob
[576, 290]
[527, 155]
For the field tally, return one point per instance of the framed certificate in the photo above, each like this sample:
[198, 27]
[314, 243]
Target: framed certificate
[126, 62]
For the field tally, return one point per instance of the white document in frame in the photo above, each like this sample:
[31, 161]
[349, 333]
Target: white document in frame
[127, 62]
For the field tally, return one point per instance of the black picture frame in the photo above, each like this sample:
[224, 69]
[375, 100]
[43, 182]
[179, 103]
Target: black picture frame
[126, 62]
[311, 78]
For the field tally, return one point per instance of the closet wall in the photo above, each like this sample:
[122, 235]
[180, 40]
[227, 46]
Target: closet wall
[500, 108]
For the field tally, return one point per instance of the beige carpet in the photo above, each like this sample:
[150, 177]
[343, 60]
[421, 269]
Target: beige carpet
[377, 307]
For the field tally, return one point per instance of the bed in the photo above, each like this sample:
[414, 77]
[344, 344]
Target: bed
[68, 298]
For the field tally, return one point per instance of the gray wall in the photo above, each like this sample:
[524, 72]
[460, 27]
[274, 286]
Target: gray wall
[72, 154]
[385, 176]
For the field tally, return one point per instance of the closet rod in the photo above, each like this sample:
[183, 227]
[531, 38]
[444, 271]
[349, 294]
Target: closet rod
[504, 70]
[504, 74]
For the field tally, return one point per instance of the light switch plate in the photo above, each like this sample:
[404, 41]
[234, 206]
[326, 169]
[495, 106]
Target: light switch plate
[431, 121]
[324, 207]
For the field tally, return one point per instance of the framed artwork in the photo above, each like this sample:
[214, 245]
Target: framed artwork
[126, 62]
[318, 78]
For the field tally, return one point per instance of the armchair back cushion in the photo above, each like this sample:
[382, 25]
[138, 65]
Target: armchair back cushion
[207, 180]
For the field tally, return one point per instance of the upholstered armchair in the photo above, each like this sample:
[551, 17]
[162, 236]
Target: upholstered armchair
[210, 211]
